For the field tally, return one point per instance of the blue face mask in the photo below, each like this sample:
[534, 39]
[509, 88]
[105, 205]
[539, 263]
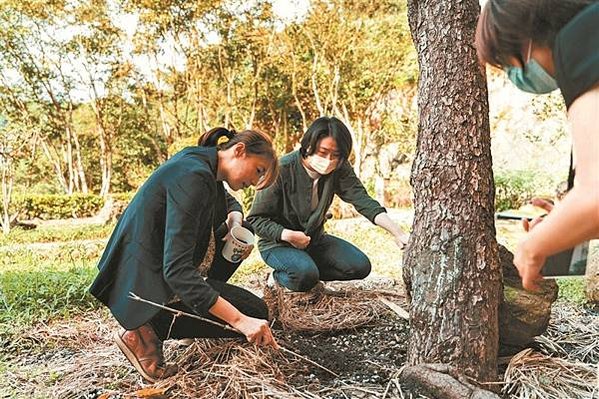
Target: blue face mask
[533, 78]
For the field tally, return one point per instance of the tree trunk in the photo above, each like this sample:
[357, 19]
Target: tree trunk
[104, 161]
[452, 268]
[79, 165]
[68, 157]
[7, 183]
[55, 161]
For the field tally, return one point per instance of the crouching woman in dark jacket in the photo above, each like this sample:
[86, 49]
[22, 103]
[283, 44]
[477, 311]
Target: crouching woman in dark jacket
[167, 245]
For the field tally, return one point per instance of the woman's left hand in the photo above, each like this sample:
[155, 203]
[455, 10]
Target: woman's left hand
[529, 265]
[234, 218]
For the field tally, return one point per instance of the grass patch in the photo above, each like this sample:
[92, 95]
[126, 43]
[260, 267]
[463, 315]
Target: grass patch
[376, 243]
[56, 234]
[36, 286]
[572, 290]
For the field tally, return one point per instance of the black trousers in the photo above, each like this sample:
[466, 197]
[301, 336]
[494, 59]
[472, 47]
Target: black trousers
[219, 273]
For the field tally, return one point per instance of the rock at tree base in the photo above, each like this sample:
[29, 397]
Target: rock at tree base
[523, 315]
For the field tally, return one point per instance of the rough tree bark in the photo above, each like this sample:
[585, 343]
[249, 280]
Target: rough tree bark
[452, 269]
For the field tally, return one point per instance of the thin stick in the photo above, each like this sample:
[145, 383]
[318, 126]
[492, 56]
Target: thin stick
[309, 361]
[226, 327]
[182, 313]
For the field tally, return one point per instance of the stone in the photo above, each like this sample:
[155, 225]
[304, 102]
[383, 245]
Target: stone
[592, 274]
[523, 315]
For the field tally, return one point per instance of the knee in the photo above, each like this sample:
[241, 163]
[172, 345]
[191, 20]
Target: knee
[359, 269]
[304, 280]
[255, 307]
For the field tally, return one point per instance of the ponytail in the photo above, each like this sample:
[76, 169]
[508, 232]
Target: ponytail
[256, 143]
[216, 137]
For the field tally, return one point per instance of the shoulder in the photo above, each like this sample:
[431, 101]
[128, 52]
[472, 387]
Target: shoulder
[189, 168]
[290, 158]
[575, 54]
[345, 170]
[289, 161]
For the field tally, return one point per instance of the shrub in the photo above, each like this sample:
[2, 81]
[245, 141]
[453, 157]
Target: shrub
[515, 188]
[54, 206]
[61, 206]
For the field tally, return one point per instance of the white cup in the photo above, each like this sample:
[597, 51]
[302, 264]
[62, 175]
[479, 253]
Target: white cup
[239, 241]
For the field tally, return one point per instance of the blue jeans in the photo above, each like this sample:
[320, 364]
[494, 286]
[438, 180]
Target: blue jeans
[328, 259]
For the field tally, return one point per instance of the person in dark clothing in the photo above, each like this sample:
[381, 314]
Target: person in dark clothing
[166, 248]
[544, 45]
[289, 216]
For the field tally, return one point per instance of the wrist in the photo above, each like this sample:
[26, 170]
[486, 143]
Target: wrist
[532, 253]
[234, 218]
[237, 320]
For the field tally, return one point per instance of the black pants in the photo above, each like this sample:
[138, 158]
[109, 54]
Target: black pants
[218, 275]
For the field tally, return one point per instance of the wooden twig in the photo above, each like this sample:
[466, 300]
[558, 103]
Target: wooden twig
[396, 308]
[182, 313]
[309, 361]
[224, 326]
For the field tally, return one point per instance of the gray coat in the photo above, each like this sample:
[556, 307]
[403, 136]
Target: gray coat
[286, 204]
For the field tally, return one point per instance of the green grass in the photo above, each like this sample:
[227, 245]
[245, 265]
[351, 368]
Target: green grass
[572, 290]
[56, 234]
[42, 285]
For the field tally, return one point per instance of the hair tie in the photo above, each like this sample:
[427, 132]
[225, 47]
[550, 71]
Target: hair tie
[222, 140]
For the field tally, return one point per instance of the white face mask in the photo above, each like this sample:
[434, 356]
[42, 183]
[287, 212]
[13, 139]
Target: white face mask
[322, 166]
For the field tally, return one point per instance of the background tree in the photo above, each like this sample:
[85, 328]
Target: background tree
[451, 268]
[118, 86]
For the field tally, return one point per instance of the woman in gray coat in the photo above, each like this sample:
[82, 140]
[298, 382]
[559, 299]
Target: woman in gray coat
[289, 216]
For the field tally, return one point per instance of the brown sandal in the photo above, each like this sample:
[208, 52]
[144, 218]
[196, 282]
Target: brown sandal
[143, 349]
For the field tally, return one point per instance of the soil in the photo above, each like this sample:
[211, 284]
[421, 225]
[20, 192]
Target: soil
[367, 355]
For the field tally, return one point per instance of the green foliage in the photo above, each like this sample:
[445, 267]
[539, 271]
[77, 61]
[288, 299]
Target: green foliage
[572, 290]
[57, 206]
[127, 197]
[515, 188]
[247, 197]
[41, 285]
[56, 234]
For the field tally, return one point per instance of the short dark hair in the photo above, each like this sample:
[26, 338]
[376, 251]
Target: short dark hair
[505, 25]
[327, 127]
[256, 143]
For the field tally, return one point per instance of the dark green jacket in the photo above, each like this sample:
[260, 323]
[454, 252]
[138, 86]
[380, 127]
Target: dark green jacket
[162, 237]
[286, 204]
[576, 54]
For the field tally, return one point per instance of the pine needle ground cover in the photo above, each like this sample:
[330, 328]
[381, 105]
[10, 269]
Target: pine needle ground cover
[56, 339]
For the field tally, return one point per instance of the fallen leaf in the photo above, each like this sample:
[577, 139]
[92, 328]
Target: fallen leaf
[150, 393]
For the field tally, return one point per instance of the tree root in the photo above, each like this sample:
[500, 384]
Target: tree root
[443, 382]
